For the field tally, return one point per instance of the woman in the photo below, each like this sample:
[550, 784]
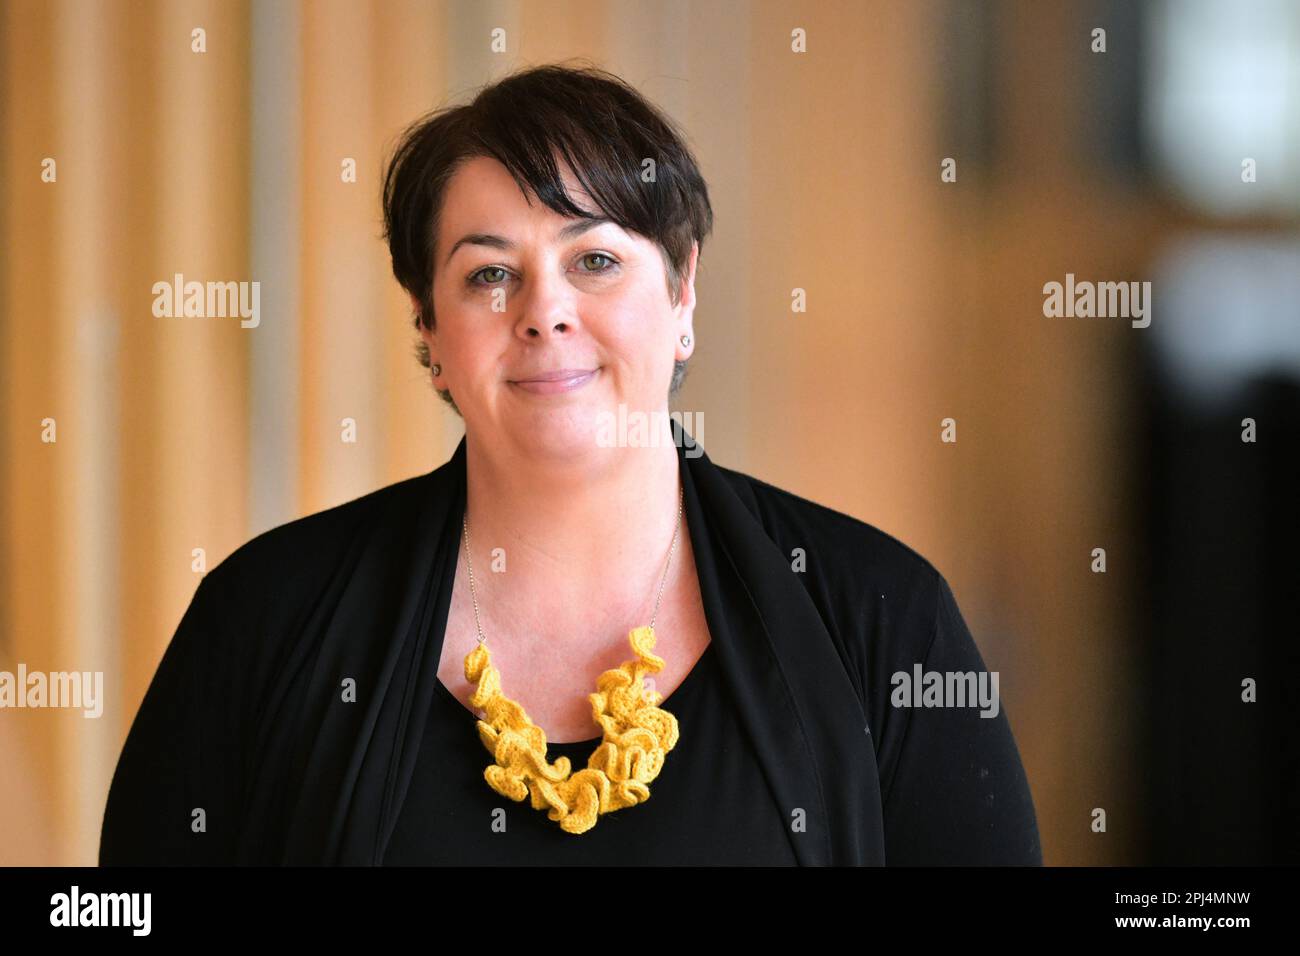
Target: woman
[399, 679]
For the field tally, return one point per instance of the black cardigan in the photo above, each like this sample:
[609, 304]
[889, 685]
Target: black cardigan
[246, 718]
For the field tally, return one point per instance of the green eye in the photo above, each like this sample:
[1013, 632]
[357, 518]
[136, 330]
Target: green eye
[474, 281]
[599, 255]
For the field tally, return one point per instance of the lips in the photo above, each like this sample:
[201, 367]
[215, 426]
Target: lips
[556, 382]
[559, 375]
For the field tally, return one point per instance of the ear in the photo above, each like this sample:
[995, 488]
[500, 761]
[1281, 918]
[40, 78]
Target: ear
[426, 334]
[686, 307]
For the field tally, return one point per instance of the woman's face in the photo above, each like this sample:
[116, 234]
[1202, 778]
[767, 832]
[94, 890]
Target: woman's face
[521, 292]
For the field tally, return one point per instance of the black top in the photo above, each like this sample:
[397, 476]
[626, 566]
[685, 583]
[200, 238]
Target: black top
[294, 714]
[709, 805]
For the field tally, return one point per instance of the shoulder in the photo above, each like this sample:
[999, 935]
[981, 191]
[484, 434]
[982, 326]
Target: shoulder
[299, 555]
[882, 602]
[841, 551]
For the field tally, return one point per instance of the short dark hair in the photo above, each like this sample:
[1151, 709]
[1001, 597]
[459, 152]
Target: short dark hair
[595, 122]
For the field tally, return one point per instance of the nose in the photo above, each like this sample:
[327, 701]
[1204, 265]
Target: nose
[546, 310]
[544, 329]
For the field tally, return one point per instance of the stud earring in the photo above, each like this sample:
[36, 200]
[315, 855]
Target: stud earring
[686, 340]
[436, 369]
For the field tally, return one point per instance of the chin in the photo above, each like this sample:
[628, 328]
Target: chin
[560, 433]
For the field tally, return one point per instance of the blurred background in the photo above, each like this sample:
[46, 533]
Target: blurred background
[1120, 156]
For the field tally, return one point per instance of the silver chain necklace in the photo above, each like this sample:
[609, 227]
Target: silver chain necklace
[470, 565]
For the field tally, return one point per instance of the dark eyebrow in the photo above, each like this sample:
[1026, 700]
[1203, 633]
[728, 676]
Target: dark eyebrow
[576, 228]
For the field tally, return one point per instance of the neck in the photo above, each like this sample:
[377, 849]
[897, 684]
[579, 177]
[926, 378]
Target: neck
[582, 537]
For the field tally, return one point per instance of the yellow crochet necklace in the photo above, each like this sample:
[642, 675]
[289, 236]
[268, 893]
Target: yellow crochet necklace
[637, 734]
